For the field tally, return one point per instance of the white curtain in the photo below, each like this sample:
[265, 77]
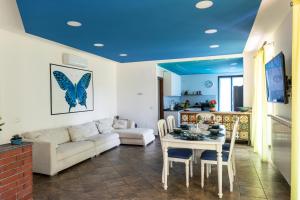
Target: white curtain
[295, 179]
[259, 110]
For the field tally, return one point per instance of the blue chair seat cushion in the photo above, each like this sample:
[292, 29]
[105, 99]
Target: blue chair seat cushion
[226, 147]
[212, 155]
[180, 153]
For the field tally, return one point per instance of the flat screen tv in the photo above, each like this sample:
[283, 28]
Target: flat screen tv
[276, 80]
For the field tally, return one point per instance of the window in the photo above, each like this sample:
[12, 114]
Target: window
[230, 93]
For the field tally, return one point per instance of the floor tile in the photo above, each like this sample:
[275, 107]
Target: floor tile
[134, 173]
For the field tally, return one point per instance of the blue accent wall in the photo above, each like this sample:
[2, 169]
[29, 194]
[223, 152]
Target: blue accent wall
[143, 29]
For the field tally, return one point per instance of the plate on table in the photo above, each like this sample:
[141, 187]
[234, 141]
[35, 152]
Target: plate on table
[205, 132]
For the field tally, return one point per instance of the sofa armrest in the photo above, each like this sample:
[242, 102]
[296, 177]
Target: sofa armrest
[44, 157]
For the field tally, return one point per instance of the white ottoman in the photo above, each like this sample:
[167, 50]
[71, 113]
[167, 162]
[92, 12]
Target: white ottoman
[135, 136]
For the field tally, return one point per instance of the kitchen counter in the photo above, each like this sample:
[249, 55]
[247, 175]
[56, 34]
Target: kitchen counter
[225, 118]
[194, 111]
[232, 113]
[169, 110]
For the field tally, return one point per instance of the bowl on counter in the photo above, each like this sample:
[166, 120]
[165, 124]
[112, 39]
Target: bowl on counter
[243, 109]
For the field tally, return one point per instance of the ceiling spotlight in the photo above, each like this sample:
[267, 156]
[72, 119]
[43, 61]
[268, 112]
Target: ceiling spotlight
[214, 46]
[233, 64]
[74, 23]
[123, 55]
[204, 4]
[211, 31]
[98, 45]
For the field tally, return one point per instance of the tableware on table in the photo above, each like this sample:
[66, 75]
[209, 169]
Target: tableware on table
[215, 126]
[203, 127]
[177, 130]
[184, 127]
[195, 130]
[214, 131]
[191, 136]
[205, 133]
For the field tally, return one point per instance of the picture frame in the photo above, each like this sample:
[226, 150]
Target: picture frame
[71, 90]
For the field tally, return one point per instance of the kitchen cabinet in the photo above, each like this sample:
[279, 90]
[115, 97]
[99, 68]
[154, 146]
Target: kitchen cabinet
[172, 84]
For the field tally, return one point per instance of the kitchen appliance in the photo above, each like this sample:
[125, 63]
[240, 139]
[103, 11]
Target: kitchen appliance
[172, 105]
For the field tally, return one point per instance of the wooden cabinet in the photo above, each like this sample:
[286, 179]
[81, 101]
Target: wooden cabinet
[244, 130]
[227, 119]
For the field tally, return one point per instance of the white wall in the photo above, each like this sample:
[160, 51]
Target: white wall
[278, 31]
[137, 93]
[172, 84]
[248, 78]
[25, 84]
[282, 38]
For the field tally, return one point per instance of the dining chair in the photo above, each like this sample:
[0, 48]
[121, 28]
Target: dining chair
[226, 147]
[176, 154]
[209, 157]
[171, 123]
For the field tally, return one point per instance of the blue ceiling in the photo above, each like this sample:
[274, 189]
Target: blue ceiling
[143, 29]
[219, 66]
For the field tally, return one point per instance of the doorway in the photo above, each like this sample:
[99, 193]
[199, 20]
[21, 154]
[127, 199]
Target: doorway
[160, 97]
[230, 93]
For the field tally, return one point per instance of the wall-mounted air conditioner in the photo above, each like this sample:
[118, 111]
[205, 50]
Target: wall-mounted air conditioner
[69, 59]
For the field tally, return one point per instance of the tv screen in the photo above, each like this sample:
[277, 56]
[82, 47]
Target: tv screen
[276, 81]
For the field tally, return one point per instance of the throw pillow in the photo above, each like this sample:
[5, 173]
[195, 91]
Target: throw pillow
[105, 125]
[120, 124]
[83, 131]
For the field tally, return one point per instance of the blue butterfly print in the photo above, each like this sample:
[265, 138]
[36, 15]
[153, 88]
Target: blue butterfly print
[74, 92]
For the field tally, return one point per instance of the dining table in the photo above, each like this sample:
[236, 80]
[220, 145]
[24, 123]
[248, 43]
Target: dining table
[206, 143]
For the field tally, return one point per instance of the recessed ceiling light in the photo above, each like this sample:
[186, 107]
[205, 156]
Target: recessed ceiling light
[98, 45]
[211, 31]
[214, 46]
[74, 23]
[123, 55]
[233, 64]
[204, 4]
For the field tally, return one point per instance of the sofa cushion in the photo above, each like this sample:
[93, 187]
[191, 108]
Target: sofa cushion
[82, 131]
[56, 136]
[120, 124]
[105, 125]
[134, 133]
[69, 149]
[103, 138]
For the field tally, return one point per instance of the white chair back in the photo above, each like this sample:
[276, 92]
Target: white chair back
[171, 123]
[233, 137]
[162, 128]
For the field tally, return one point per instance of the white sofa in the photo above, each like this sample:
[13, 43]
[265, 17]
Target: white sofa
[57, 149]
[128, 134]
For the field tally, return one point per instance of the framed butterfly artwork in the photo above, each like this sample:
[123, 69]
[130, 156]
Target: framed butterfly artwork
[71, 90]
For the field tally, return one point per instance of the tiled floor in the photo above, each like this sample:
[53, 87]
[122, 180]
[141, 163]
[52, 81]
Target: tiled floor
[130, 172]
